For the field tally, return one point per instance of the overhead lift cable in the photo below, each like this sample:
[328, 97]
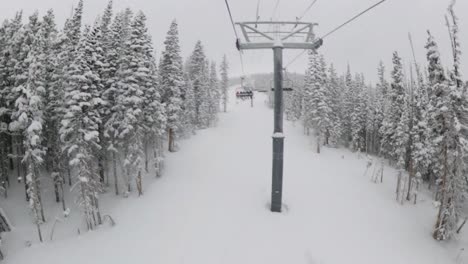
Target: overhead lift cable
[307, 10]
[235, 33]
[274, 10]
[338, 28]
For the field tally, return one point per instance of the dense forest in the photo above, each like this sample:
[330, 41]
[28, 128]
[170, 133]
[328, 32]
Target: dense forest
[416, 121]
[93, 108]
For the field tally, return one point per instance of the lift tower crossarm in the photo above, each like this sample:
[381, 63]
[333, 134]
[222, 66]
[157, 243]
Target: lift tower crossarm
[286, 45]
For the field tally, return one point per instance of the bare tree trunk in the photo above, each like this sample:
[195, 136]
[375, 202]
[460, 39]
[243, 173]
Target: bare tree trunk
[139, 184]
[98, 212]
[101, 154]
[116, 180]
[171, 140]
[461, 226]
[410, 179]
[441, 218]
[101, 168]
[64, 206]
[398, 186]
[146, 155]
[318, 144]
[381, 173]
[157, 161]
[11, 146]
[69, 175]
[39, 197]
[39, 232]
[106, 162]
[129, 183]
[416, 192]
[19, 168]
[56, 187]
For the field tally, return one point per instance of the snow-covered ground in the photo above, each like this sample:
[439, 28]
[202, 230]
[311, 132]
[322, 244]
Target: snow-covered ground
[211, 207]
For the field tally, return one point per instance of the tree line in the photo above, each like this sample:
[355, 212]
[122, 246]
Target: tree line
[92, 108]
[416, 121]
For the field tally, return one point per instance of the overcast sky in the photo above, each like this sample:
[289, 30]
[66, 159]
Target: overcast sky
[362, 44]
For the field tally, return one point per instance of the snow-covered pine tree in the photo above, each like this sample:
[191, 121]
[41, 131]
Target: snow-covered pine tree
[8, 34]
[64, 47]
[401, 135]
[419, 135]
[79, 130]
[100, 44]
[381, 107]
[132, 76]
[50, 33]
[213, 95]
[22, 44]
[371, 115]
[293, 108]
[198, 74]
[318, 99]
[28, 118]
[119, 34]
[154, 111]
[224, 69]
[95, 58]
[454, 144]
[348, 98]
[52, 106]
[436, 86]
[103, 37]
[335, 94]
[204, 96]
[358, 115]
[172, 83]
[306, 111]
[156, 120]
[189, 117]
[396, 97]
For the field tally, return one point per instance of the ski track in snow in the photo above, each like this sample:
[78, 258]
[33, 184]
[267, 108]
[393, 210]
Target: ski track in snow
[211, 207]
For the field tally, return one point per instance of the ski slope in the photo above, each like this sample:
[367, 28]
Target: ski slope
[211, 207]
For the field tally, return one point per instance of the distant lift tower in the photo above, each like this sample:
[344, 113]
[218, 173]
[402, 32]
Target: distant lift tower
[277, 36]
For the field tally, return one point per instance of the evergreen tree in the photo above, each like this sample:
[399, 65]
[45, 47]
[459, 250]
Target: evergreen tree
[213, 94]
[436, 86]
[358, 115]
[79, 130]
[172, 83]
[381, 107]
[396, 102]
[454, 144]
[348, 106]
[28, 118]
[189, 117]
[133, 77]
[119, 34]
[224, 68]
[198, 74]
[318, 100]
[335, 92]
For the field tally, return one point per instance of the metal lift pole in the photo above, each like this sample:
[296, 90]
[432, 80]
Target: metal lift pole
[278, 136]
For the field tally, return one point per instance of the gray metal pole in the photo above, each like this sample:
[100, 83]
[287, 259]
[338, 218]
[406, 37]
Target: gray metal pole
[278, 137]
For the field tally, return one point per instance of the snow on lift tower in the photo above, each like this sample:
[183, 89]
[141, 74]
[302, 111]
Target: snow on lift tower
[277, 35]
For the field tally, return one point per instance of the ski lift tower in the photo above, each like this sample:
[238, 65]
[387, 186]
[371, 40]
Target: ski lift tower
[277, 36]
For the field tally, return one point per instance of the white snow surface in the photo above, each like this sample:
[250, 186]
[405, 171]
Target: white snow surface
[211, 207]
